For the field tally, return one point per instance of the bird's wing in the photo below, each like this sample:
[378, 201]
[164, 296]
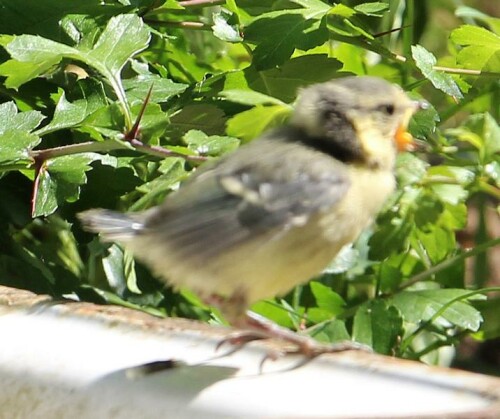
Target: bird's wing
[252, 194]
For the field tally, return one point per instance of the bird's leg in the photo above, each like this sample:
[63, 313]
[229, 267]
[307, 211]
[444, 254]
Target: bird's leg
[253, 326]
[304, 345]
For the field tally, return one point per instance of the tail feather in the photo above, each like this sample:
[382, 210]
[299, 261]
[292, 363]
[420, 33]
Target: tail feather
[112, 225]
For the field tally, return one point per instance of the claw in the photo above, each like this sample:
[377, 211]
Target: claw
[261, 328]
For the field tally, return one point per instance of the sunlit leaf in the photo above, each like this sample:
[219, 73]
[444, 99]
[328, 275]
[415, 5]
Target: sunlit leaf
[425, 61]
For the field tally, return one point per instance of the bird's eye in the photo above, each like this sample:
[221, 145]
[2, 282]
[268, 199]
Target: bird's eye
[387, 109]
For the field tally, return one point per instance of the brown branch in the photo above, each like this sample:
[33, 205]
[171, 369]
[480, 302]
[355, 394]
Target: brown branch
[40, 156]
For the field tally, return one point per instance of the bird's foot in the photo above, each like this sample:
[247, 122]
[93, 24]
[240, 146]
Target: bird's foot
[259, 328]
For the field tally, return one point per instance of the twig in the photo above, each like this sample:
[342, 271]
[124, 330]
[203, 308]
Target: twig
[449, 262]
[183, 25]
[200, 3]
[106, 146]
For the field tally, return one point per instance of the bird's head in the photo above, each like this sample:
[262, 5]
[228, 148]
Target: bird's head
[366, 115]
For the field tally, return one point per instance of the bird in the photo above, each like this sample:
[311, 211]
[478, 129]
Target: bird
[274, 213]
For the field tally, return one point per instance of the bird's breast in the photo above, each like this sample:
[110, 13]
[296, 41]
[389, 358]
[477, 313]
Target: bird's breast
[368, 191]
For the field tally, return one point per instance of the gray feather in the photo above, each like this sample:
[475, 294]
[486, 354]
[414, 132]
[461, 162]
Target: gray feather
[114, 226]
[240, 198]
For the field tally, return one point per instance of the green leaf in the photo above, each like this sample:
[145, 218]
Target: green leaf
[331, 331]
[164, 89]
[425, 61]
[482, 48]
[44, 18]
[377, 324]
[153, 124]
[249, 97]
[490, 311]
[250, 124]
[70, 114]
[16, 141]
[32, 57]
[274, 312]
[439, 243]
[410, 169]
[213, 145]
[19, 121]
[423, 123]
[278, 33]
[327, 299]
[341, 21]
[119, 270]
[223, 30]
[123, 37]
[59, 180]
[172, 171]
[449, 305]
[372, 9]
[15, 148]
[207, 118]
[470, 13]
[284, 83]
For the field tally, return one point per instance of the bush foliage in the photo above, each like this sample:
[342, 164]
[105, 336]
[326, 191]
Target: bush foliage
[75, 76]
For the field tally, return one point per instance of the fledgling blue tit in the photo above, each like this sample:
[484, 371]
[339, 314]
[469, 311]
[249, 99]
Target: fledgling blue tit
[275, 212]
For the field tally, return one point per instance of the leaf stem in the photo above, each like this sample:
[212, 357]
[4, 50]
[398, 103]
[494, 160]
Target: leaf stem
[449, 262]
[200, 3]
[183, 25]
[489, 189]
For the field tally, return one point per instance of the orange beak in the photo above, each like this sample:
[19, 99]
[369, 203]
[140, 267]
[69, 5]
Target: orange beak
[404, 140]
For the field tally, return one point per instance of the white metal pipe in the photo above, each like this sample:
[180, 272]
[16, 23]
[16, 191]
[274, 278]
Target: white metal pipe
[79, 360]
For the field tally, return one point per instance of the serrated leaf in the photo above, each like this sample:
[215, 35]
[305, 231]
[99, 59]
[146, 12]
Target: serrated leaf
[284, 83]
[410, 169]
[19, 121]
[327, 299]
[207, 118]
[276, 36]
[345, 260]
[119, 268]
[15, 147]
[342, 21]
[475, 35]
[278, 33]
[223, 30]
[274, 312]
[138, 87]
[313, 6]
[32, 57]
[250, 124]
[439, 243]
[425, 61]
[69, 114]
[423, 123]
[470, 13]
[372, 9]
[44, 18]
[153, 123]
[16, 140]
[377, 324]
[59, 180]
[331, 331]
[172, 172]
[249, 97]
[123, 37]
[213, 145]
[423, 305]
